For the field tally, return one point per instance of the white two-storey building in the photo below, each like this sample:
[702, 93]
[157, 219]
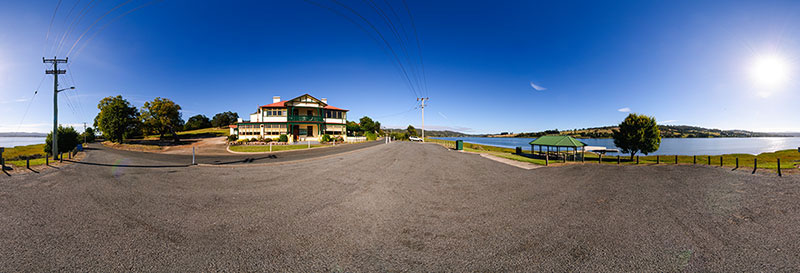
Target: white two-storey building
[303, 118]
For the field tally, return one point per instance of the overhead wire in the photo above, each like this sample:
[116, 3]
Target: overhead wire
[93, 24]
[47, 36]
[104, 26]
[68, 32]
[419, 46]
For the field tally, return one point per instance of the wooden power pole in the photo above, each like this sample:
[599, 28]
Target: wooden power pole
[422, 106]
[55, 71]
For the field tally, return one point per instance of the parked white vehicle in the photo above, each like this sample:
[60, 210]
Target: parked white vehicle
[415, 139]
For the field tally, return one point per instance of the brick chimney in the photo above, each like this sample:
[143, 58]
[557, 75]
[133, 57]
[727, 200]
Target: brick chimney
[276, 99]
[324, 100]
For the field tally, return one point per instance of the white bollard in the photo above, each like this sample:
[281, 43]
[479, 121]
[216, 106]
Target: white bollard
[193, 159]
[270, 146]
[309, 144]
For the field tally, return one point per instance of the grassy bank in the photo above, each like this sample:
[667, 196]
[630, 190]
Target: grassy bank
[206, 132]
[16, 156]
[790, 159]
[275, 148]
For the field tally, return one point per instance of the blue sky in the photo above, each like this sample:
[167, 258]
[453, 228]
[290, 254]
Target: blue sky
[684, 62]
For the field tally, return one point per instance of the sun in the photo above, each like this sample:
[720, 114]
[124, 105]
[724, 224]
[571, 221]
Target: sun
[770, 72]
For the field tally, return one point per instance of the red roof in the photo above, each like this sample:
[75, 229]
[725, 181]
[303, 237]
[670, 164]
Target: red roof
[333, 108]
[282, 104]
[277, 104]
[233, 126]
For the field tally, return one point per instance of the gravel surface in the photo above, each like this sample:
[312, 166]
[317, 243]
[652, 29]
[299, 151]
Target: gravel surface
[396, 207]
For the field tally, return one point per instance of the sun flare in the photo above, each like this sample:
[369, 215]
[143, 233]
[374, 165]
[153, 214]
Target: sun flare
[770, 72]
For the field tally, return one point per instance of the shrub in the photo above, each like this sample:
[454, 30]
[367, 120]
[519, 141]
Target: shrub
[253, 139]
[283, 138]
[326, 138]
[67, 140]
[371, 136]
[232, 138]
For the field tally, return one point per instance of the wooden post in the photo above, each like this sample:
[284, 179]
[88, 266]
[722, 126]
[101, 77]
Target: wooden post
[694, 159]
[2, 163]
[709, 160]
[737, 162]
[61, 157]
[779, 167]
[755, 164]
[676, 159]
[47, 160]
[658, 160]
[720, 161]
[617, 159]
[600, 158]
[547, 159]
[28, 163]
[637, 160]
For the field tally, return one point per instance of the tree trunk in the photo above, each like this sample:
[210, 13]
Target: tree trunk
[632, 154]
[174, 135]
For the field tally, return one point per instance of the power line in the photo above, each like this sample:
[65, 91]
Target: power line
[94, 23]
[47, 36]
[103, 27]
[75, 21]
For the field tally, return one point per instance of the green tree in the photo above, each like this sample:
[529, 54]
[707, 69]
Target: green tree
[411, 131]
[224, 119]
[88, 135]
[638, 133]
[370, 136]
[197, 122]
[68, 139]
[162, 116]
[283, 138]
[353, 128]
[118, 119]
[366, 124]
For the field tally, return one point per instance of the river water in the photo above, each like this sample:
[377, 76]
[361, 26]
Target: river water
[20, 141]
[669, 146]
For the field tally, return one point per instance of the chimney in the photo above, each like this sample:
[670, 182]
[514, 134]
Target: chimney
[276, 99]
[324, 100]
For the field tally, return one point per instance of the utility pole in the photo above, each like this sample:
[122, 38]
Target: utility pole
[55, 71]
[422, 106]
[84, 133]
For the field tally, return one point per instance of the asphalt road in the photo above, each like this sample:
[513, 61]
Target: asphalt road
[396, 207]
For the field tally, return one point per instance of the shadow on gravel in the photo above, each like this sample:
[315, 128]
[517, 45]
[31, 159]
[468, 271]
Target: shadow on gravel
[130, 166]
[246, 160]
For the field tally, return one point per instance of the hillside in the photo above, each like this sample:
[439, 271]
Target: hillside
[667, 131]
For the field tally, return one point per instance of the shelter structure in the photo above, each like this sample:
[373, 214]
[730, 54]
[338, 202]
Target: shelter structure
[553, 144]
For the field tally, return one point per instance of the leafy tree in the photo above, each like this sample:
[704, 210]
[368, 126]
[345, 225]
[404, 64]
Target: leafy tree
[162, 116]
[366, 124]
[353, 128]
[411, 131]
[88, 135]
[370, 136]
[118, 119]
[224, 119]
[67, 140]
[283, 138]
[197, 122]
[638, 133]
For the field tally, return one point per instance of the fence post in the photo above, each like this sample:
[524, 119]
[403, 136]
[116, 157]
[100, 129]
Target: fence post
[546, 159]
[193, 158]
[61, 157]
[600, 159]
[737, 162]
[720, 161]
[709, 160]
[755, 164]
[676, 159]
[617, 159]
[28, 163]
[69, 155]
[2, 163]
[779, 167]
[694, 159]
[658, 159]
[47, 160]
[637, 160]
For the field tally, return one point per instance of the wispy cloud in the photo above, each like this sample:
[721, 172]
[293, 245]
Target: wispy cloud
[668, 121]
[445, 117]
[624, 109]
[537, 87]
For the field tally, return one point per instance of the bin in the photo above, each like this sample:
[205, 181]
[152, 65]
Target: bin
[459, 145]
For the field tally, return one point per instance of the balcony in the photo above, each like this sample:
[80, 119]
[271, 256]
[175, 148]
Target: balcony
[305, 118]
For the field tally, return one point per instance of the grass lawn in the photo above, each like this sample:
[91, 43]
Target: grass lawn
[789, 158]
[16, 155]
[207, 132]
[265, 148]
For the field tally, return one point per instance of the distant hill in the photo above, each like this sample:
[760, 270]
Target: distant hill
[22, 134]
[667, 131]
[433, 133]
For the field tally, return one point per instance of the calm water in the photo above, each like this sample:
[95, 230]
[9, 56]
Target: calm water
[669, 146]
[20, 141]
